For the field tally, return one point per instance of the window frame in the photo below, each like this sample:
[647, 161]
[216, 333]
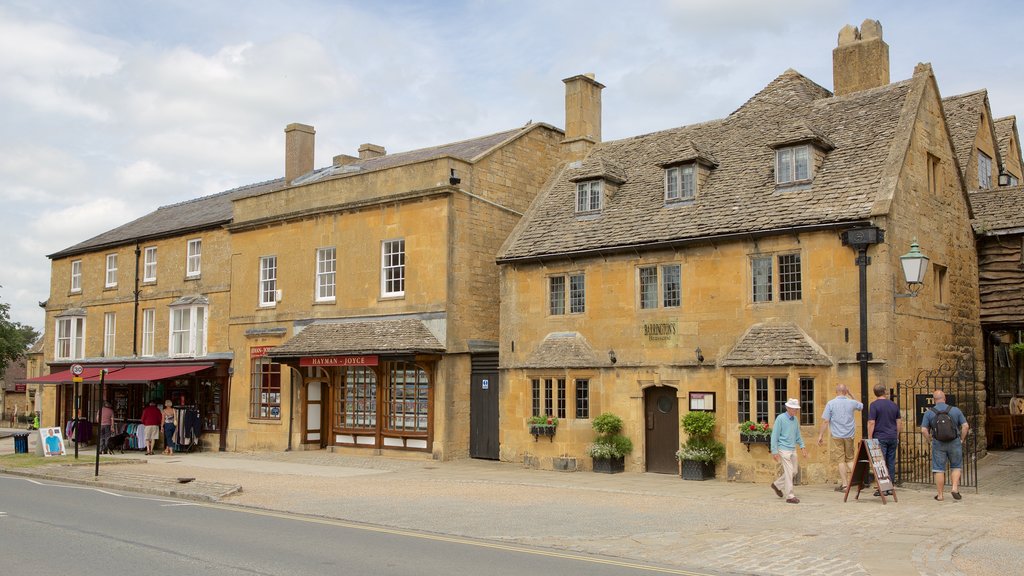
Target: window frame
[806, 400]
[74, 339]
[570, 297]
[984, 171]
[194, 258]
[110, 279]
[149, 264]
[326, 280]
[76, 276]
[195, 334]
[662, 294]
[268, 281]
[792, 164]
[681, 183]
[780, 281]
[148, 332]
[109, 334]
[589, 196]
[581, 398]
[392, 274]
[265, 390]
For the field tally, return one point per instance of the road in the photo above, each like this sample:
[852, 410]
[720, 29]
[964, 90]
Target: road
[49, 528]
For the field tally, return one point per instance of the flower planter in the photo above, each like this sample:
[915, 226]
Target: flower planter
[748, 440]
[697, 470]
[610, 465]
[564, 463]
[539, 430]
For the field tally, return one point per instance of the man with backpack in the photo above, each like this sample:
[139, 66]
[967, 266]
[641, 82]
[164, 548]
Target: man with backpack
[946, 427]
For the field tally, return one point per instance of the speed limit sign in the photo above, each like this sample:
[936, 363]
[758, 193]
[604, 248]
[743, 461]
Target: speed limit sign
[77, 369]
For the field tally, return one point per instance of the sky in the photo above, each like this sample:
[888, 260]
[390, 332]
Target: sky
[110, 109]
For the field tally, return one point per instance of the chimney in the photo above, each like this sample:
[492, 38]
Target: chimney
[344, 160]
[582, 114]
[367, 151]
[298, 151]
[861, 61]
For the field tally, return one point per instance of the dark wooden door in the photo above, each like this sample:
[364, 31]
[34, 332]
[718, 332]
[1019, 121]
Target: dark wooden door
[483, 415]
[661, 419]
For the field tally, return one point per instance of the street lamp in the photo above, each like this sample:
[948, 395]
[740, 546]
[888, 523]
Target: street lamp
[915, 264]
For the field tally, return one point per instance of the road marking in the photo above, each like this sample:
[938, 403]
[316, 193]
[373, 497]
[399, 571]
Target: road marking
[450, 539]
[107, 492]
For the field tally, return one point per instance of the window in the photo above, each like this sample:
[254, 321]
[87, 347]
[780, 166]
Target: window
[583, 398]
[70, 341]
[789, 273]
[761, 400]
[764, 398]
[934, 175]
[188, 331]
[535, 397]
[392, 273]
[680, 183]
[326, 266]
[556, 294]
[111, 271]
[358, 400]
[543, 400]
[588, 196]
[268, 280]
[548, 400]
[194, 258]
[984, 171]
[560, 402]
[408, 402]
[148, 331]
[807, 401]
[940, 283]
[109, 331]
[781, 395]
[792, 164]
[670, 287]
[742, 399]
[149, 265]
[76, 276]
[265, 394]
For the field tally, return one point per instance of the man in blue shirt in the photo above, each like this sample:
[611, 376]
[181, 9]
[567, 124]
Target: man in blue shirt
[838, 418]
[785, 438]
[885, 425]
[950, 451]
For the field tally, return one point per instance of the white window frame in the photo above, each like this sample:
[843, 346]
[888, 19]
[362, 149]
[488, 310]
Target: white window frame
[194, 258]
[326, 274]
[392, 268]
[680, 183]
[76, 275]
[186, 331]
[984, 171]
[149, 264]
[659, 286]
[111, 276]
[109, 333]
[589, 195]
[70, 331]
[268, 281]
[787, 165]
[148, 331]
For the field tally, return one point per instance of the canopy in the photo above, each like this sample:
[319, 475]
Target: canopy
[122, 375]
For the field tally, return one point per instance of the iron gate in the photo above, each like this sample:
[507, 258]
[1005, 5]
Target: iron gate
[957, 379]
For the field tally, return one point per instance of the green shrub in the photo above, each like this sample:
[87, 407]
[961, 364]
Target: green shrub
[607, 424]
[609, 442]
[700, 442]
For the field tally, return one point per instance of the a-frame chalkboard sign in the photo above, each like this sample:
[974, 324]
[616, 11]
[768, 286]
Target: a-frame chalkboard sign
[870, 459]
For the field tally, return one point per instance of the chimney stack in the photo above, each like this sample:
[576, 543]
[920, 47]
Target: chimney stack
[861, 61]
[582, 114]
[367, 151]
[298, 151]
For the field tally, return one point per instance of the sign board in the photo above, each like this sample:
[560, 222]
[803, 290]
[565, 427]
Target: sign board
[338, 361]
[258, 351]
[52, 442]
[485, 384]
[659, 330]
[923, 402]
[702, 401]
[19, 387]
[871, 459]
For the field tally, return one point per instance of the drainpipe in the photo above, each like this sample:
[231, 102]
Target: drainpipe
[135, 320]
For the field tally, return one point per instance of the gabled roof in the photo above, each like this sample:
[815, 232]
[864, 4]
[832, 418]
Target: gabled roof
[563, 350]
[739, 196]
[776, 344]
[1006, 132]
[1000, 210]
[963, 117]
[405, 336]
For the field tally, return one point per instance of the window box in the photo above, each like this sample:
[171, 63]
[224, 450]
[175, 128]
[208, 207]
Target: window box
[543, 426]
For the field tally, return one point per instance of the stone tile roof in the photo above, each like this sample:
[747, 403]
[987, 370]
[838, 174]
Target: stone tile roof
[963, 117]
[740, 194]
[174, 219]
[564, 350]
[998, 210]
[776, 344]
[1006, 129]
[405, 336]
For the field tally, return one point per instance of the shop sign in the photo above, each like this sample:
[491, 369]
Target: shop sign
[19, 387]
[338, 361]
[259, 351]
[659, 330]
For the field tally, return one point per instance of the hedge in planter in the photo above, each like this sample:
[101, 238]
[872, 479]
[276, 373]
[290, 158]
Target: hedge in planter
[701, 451]
[610, 447]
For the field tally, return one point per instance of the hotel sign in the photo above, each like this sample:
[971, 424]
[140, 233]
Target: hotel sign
[338, 361]
[659, 330]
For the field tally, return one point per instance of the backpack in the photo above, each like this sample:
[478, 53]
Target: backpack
[943, 428]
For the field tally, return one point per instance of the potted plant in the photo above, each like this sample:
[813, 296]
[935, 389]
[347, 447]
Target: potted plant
[755, 433]
[542, 426]
[701, 451]
[610, 447]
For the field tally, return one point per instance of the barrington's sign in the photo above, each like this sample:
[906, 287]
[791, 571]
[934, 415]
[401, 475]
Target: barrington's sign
[659, 330]
[338, 361]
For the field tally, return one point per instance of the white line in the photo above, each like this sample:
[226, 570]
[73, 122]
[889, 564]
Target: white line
[107, 492]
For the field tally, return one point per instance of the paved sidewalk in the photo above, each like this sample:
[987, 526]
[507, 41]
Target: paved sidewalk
[714, 525]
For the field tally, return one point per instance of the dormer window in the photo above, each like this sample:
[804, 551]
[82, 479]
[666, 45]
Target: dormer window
[680, 183]
[792, 164]
[588, 195]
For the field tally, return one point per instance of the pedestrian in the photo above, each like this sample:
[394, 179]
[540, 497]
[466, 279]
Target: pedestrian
[946, 427]
[838, 419]
[169, 416]
[885, 425]
[106, 426]
[151, 424]
[785, 438]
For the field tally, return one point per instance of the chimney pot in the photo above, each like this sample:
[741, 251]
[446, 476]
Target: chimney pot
[860, 61]
[299, 141]
[344, 160]
[371, 151]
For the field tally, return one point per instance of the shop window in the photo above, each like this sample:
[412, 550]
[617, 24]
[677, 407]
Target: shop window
[265, 397]
[408, 402]
[356, 407]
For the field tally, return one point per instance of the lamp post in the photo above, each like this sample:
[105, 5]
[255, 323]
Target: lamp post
[859, 239]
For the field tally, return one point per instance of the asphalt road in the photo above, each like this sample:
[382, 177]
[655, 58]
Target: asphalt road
[48, 528]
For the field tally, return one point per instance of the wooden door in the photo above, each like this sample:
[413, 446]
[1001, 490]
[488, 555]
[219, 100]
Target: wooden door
[661, 415]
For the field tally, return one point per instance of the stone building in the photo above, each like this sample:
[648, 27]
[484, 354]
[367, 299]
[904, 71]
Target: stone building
[704, 267]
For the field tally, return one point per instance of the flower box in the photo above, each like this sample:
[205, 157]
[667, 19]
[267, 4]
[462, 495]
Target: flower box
[749, 439]
[610, 465]
[539, 430]
[696, 470]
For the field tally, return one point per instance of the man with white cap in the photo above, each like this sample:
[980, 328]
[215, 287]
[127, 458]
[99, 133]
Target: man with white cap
[785, 438]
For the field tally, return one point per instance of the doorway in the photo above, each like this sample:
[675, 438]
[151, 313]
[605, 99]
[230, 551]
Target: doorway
[661, 419]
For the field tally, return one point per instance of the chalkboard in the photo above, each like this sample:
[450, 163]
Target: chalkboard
[871, 459]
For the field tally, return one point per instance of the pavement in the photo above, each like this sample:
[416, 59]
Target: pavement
[713, 526]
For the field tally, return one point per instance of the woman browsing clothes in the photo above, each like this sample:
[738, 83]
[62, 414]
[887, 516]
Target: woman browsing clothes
[168, 414]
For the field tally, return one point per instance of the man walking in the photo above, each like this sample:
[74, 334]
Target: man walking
[785, 438]
[885, 425]
[838, 418]
[151, 419]
[946, 427]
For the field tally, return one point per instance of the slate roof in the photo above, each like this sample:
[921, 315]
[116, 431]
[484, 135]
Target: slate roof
[740, 194]
[998, 210]
[776, 344]
[564, 350]
[174, 219]
[364, 337]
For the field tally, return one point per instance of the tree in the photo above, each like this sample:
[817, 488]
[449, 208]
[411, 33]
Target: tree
[15, 338]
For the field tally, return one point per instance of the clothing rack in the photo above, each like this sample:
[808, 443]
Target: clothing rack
[188, 426]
